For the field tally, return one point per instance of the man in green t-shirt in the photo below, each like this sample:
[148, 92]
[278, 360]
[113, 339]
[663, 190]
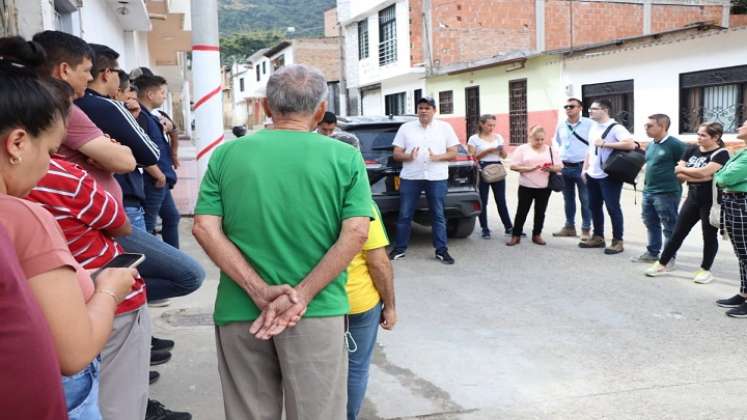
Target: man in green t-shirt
[662, 190]
[282, 213]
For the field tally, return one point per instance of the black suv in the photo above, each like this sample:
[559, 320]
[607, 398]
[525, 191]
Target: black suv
[462, 203]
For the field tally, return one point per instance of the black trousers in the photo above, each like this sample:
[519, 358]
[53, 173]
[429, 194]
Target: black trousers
[695, 208]
[540, 197]
[734, 208]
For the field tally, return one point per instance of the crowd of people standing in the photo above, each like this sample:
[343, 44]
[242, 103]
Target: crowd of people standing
[87, 164]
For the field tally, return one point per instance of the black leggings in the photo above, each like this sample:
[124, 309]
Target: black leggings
[692, 211]
[540, 196]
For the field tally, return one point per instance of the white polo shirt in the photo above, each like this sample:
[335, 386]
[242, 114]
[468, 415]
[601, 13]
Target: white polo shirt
[437, 136]
[597, 155]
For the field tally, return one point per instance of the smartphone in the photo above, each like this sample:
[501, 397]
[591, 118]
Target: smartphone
[126, 260]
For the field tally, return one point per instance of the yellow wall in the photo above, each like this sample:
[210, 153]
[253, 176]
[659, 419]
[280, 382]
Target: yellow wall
[544, 86]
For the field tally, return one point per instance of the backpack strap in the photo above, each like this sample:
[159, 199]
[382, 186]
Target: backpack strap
[573, 131]
[604, 137]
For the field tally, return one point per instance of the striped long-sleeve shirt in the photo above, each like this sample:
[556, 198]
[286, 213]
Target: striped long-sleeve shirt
[84, 211]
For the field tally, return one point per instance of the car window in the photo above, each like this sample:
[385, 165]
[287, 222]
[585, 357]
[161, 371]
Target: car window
[376, 143]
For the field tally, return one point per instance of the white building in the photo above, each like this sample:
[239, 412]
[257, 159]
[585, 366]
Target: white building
[380, 77]
[693, 76]
[248, 83]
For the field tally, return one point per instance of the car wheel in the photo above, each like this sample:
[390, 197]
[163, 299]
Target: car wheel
[461, 227]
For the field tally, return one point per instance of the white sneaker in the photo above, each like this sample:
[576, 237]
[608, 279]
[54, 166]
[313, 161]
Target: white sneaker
[703, 277]
[656, 269]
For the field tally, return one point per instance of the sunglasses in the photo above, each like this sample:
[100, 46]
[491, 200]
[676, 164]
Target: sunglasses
[570, 106]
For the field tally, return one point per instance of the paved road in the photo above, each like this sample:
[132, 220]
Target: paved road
[527, 332]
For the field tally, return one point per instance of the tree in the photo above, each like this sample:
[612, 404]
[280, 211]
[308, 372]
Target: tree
[739, 7]
[240, 46]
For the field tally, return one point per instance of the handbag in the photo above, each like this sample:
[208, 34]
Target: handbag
[715, 217]
[495, 172]
[555, 182]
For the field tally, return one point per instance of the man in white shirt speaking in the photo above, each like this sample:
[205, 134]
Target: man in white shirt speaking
[424, 147]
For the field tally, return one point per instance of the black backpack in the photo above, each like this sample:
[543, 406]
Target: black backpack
[623, 165]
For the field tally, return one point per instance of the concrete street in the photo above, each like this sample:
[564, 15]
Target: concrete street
[528, 332]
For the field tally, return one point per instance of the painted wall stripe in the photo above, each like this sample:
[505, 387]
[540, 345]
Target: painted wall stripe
[206, 98]
[205, 47]
[210, 146]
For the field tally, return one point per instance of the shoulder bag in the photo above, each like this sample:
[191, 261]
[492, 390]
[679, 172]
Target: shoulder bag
[495, 172]
[555, 181]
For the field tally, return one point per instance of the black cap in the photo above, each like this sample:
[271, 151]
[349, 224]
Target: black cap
[427, 100]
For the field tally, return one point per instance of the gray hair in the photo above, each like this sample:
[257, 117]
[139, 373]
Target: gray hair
[296, 89]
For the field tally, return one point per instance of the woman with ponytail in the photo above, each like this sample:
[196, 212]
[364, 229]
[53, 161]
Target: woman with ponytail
[79, 313]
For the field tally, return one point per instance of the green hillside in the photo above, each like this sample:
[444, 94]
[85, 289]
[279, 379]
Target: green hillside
[307, 16]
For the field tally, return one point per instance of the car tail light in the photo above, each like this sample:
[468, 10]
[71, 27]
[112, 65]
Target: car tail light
[476, 206]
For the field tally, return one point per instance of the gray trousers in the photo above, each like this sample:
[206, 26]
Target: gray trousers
[125, 361]
[305, 366]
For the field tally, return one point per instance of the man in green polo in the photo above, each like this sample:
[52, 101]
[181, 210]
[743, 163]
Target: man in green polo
[282, 213]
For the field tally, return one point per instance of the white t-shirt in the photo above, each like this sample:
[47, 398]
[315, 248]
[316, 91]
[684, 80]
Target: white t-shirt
[437, 136]
[616, 135]
[481, 145]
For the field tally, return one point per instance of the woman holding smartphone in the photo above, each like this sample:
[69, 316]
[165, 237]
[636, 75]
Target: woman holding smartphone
[79, 313]
[487, 149]
[533, 161]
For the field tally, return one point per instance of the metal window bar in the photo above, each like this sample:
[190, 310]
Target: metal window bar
[363, 39]
[387, 36]
[725, 104]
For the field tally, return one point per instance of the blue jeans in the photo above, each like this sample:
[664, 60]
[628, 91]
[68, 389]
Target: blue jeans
[605, 191]
[409, 194]
[573, 181]
[363, 328]
[136, 215]
[167, 271]
[160, 202]
[659, 210]
[499, 194]
[82, 393]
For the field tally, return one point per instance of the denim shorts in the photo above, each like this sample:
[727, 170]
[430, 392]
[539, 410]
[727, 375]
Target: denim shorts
[82, 393]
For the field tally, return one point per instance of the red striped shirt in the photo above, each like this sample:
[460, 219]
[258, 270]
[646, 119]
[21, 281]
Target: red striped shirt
[85, 211]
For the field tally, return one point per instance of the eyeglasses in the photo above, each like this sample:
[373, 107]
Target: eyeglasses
[570, 106]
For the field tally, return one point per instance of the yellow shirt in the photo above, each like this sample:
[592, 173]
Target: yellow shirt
[360, 287]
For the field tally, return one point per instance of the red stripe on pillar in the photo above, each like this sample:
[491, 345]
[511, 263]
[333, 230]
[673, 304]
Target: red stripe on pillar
[206, 98]
[210, 146]
[205, 47]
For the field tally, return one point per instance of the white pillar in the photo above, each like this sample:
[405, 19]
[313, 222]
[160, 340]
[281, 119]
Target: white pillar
[207, 81]
[539, 22]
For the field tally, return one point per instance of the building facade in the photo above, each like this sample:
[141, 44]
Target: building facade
[382, 73]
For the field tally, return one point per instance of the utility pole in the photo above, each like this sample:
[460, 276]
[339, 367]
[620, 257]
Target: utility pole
[207, 80]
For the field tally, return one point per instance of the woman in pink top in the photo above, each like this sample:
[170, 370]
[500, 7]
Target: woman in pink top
[79, 313]
[534, 162]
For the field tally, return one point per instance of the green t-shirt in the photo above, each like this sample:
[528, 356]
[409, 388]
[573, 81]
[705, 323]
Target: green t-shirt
[661, 158]
[283, 196]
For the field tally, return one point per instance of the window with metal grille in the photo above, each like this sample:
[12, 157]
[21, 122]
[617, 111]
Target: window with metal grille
[418, 95]
[517, 111]
[394, 104]
[620, 95]
[363, 39]
[718, 95]
[387, 35]
[259, 76]
[241, 84]
[446, 102]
